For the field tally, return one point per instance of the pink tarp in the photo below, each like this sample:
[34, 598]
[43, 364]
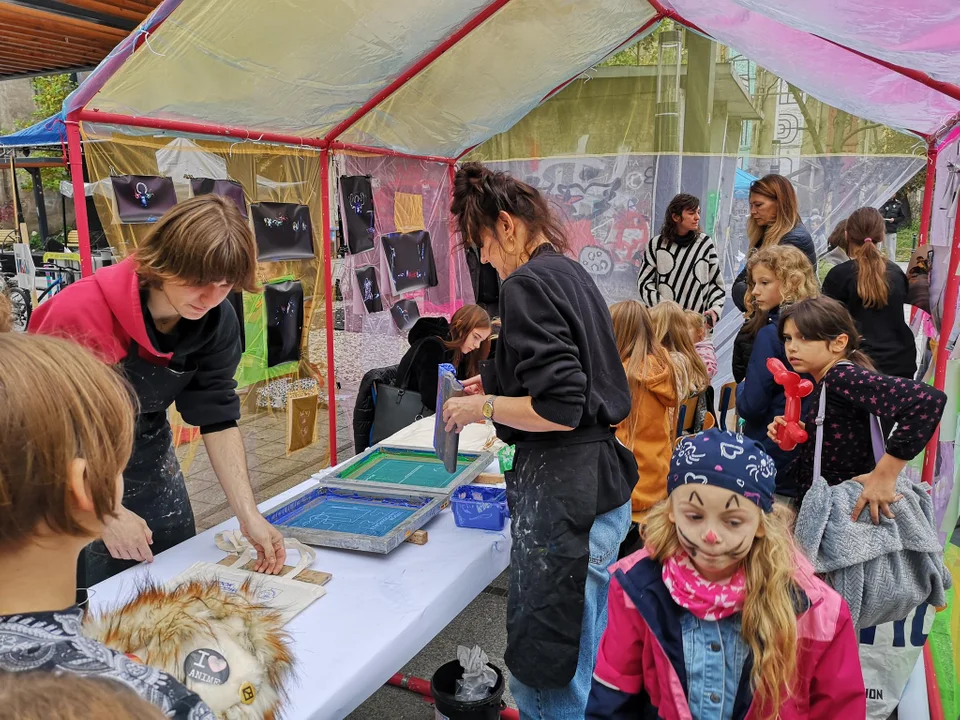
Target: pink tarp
[830, 73]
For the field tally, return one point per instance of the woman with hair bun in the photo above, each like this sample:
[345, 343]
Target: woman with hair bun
[556, 390]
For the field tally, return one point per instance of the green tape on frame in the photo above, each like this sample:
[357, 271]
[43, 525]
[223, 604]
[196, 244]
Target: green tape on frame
[253, 363]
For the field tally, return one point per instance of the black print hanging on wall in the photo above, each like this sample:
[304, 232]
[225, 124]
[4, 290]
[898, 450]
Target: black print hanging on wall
[236, 302]
[283, 231]
[356, 208]
[369, 289]
[229, 189]
[142, 198]
[283, 304]
[405, 314]
[410, 258]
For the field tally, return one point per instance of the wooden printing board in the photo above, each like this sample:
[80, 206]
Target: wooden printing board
[314, 577]
[407, 469]
[348, 516]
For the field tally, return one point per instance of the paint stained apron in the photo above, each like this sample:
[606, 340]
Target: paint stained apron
[153, 485]
[552, 492]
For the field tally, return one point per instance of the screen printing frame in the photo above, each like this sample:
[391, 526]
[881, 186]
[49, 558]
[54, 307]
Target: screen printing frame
[430, 506]
[465, 476]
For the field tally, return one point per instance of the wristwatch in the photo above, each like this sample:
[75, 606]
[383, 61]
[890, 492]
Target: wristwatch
[488, 407]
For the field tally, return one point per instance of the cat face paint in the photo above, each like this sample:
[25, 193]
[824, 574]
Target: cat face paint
[715, 526]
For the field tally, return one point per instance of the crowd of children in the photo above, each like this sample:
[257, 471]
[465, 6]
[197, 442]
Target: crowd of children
[713, 613]
[718, 614]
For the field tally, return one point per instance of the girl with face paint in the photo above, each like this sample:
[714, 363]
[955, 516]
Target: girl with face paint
[719, 616]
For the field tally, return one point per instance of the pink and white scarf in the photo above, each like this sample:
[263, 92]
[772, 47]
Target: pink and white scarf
[705, 599]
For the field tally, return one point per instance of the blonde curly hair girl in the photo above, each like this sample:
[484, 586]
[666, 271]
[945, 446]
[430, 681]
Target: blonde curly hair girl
[792, 269]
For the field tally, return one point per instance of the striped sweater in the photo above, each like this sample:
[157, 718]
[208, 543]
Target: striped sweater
[686, 270]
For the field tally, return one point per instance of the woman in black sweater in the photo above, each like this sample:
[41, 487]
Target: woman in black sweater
[874, 290]
[463, 342]
[556, 390]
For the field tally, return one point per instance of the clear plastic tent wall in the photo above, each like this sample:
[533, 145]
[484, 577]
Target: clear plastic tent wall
[613, 147]
[268, 173]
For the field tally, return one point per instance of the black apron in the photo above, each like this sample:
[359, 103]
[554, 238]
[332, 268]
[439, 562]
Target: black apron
[153, 485]
[552, 492]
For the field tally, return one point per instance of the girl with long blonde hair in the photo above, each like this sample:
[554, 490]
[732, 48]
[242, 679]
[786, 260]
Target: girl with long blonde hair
[774, 220]
[672, 328]
[874, 289]
[777, 277]
[720, 615]
[648, 431]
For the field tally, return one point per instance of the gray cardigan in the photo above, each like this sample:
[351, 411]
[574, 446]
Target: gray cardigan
[883, 571]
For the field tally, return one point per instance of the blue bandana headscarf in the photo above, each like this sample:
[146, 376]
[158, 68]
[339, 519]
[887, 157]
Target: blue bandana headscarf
[728, 460]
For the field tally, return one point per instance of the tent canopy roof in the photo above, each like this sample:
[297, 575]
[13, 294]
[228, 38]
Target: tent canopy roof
[51, 131]
[435, 79]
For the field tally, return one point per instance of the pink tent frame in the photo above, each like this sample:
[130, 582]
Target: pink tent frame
[329, 143]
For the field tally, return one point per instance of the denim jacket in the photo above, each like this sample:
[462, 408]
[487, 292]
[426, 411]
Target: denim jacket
[713, 653]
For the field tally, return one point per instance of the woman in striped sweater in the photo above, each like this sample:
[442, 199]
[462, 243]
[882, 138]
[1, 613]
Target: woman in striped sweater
[681, 263]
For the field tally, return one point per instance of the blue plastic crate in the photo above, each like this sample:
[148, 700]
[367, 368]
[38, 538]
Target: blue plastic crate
[479, 506]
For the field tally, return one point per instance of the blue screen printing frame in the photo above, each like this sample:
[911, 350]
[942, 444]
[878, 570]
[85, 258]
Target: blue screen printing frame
[426, 507]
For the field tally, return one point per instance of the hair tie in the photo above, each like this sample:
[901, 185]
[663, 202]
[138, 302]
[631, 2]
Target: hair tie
[866, 240]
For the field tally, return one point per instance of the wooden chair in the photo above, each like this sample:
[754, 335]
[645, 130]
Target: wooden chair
[687, 417]
[728, 401]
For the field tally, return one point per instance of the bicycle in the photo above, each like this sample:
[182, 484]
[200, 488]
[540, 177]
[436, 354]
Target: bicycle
[63, 276]
[20, 305]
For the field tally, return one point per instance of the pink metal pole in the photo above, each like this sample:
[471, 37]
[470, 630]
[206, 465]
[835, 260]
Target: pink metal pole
[186, 126]
[414, 69]
[328, 299]
[452, 262]
[943, 351]
[75, 156]
[927, 206]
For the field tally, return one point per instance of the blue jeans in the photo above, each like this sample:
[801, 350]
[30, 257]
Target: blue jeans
[570, 702]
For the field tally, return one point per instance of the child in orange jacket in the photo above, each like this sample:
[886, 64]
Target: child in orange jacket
[649, 429]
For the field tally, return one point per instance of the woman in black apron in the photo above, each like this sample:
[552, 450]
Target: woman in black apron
[163, 318]
[555, 390]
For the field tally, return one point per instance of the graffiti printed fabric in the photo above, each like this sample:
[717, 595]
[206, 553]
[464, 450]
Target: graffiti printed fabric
[410, 258]
[229, 189]
[284, 308]
[143, 198]
[369, 289]
[356, 209]
[283, 231]
[405, 314]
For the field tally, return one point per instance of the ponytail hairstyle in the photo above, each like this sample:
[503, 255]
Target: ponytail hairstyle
[823, 318]
[638, 346]
[794, 272]
[865, 228]
[480, 195]
[780, 190]
[670, 324]
[768, 621]
[680, 202]
[465, 321]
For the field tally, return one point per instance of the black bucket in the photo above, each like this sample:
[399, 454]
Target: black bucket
[443, 687]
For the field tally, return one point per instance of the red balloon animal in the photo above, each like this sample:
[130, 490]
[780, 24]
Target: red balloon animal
[791, 434]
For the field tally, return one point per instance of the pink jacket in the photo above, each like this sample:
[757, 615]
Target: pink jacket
[640, 668]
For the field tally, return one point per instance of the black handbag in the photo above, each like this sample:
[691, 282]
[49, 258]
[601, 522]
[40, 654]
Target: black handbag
[396, 406]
